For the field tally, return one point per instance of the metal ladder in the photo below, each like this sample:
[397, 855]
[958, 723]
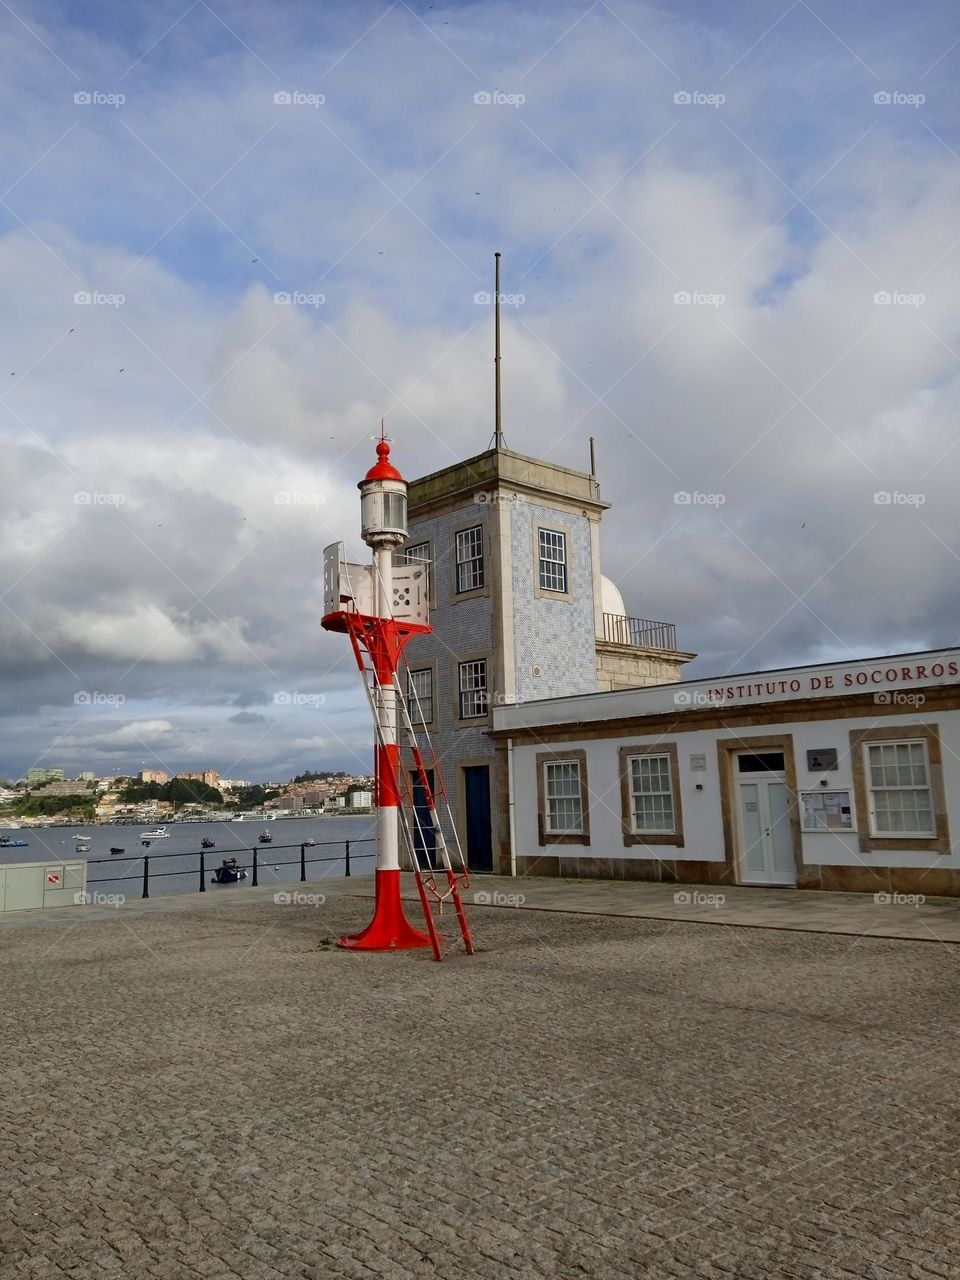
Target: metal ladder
[455, 879]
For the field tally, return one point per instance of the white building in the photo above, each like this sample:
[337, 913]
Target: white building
[843, 776]
[519, 610]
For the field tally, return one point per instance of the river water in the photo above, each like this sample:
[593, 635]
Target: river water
[175, 863]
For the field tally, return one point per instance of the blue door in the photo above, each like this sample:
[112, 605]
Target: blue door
[424, 835]
[476, 788]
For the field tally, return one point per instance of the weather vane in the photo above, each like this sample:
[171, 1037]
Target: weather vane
[383, 438]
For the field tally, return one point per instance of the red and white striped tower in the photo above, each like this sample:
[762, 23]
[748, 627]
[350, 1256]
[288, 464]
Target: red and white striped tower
[383, 510]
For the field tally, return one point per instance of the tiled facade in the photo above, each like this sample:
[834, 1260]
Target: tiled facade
[537, 643]
[460, 628]
[554, 640]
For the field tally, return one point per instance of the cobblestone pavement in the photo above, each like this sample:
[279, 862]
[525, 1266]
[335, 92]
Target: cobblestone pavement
[214, 1092]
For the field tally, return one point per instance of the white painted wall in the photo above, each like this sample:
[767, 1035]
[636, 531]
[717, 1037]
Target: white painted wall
[702, 824]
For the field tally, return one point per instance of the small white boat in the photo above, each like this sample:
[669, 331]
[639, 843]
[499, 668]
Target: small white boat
[161, 833]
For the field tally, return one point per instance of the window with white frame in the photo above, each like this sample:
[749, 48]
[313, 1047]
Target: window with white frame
[898, 781]
[419, 553]
[420, 696]
[651, 794]
[470, 558]
[562, 798]
[473, 688]
[553, 560]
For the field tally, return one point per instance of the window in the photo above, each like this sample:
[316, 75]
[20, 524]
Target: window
[420, 696]
[470, 558]
[651, 794]
[553, 560]
[473, 688]
[563, 797]
[650, 808]
[761, 762]
[898, 789]
[898, 780]
[419, 553]
[561, 788]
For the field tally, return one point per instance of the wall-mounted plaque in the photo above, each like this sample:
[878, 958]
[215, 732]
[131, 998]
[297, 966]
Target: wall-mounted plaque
[822, 759]
[698, 764]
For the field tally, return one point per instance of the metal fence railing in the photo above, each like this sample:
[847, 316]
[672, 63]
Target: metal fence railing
[256, 854]
[619, 629]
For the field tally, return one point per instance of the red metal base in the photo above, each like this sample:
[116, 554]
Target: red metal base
[389, 930]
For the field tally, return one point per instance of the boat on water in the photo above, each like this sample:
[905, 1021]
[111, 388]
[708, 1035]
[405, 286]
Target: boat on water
[114, 849]
[161, 833]
[265, 837]
[7, 843]
[207, 843]
[228, 872]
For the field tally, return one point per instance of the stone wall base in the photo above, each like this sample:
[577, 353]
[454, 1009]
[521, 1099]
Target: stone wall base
[932, 881]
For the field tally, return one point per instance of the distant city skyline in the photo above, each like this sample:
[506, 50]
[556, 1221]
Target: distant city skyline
[162, 775]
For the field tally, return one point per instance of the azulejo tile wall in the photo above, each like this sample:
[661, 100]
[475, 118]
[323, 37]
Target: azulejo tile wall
[461, 628]
[556, 636]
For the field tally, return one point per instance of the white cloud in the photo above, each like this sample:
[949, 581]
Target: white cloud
[199, 398]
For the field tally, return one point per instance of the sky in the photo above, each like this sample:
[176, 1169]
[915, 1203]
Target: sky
[235, 235]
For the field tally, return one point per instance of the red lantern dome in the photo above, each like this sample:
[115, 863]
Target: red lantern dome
[383, 469]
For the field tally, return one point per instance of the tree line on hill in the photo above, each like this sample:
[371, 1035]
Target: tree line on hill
[181, 791]
[324, 775]
[29, 806]
[178, 791]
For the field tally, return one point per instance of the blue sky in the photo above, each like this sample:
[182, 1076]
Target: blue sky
[783, 187]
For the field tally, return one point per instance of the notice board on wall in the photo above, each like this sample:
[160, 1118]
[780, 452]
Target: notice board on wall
[826, 811]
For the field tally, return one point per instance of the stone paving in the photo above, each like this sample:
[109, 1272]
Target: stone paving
[884, 915]
[208, 1089]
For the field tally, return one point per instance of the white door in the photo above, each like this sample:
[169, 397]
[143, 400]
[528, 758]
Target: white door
[763, 807]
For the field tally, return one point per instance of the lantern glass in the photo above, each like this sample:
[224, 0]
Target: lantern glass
[395, 511]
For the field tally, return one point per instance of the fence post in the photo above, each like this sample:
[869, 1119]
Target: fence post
[203, 873]
[146, 876]
[347, 856]
[303, 862]
[254, 881]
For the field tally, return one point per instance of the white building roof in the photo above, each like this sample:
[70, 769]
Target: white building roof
[899, 673]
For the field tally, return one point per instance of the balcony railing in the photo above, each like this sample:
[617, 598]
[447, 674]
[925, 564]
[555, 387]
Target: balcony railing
[619, 629]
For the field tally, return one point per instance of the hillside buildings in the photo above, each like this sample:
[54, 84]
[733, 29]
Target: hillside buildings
[41, 774]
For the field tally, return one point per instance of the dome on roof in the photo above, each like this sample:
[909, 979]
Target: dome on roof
[611, 601]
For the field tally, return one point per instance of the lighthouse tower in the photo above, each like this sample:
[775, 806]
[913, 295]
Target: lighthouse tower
[376, 606]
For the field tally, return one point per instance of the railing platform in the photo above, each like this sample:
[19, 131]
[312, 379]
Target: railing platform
[641, 633]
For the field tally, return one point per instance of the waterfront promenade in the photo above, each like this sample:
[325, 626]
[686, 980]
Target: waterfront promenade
[201, 1086]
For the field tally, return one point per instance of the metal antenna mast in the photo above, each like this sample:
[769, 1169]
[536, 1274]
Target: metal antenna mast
[498, 420]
